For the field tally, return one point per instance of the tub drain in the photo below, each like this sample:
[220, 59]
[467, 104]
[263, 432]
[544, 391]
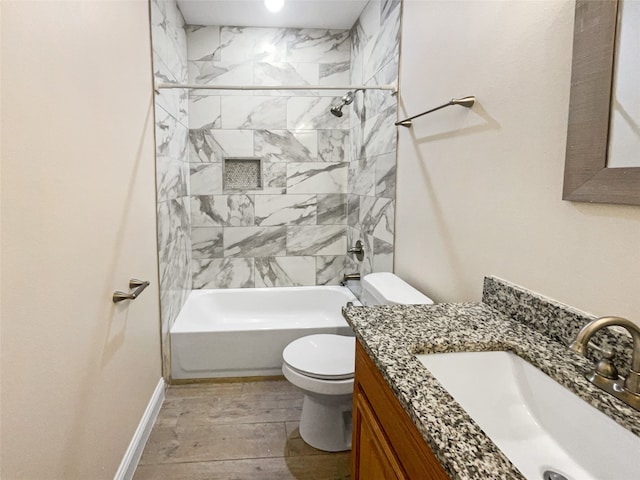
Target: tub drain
[551, 475]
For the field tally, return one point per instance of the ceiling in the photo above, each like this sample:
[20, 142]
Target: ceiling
[335, 14]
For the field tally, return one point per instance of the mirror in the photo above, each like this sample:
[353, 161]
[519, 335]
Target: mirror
[624, 130]
[589, 176]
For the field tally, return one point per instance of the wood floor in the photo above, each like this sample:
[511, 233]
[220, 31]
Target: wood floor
[234, 431]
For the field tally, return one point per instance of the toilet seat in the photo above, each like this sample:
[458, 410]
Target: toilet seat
[317, 385]
[322, 356]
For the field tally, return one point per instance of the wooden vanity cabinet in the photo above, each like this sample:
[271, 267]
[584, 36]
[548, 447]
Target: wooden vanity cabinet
[386, 443]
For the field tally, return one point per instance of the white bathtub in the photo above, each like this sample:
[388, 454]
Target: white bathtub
[242, 332]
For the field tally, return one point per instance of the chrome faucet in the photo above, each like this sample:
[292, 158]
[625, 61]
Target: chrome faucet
[605, 375]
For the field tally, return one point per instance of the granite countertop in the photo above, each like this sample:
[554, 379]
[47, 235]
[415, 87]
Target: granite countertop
[392, 335]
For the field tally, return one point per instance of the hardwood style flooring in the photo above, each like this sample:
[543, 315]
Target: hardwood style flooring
[234, 431]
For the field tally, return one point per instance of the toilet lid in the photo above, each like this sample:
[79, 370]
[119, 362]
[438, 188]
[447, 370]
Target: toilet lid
[388, 289]
[324, 356]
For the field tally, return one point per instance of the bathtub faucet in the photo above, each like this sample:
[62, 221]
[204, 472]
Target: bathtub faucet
[350, 276]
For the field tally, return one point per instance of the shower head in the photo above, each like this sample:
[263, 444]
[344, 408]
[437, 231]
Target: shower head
[347, 99]
[337, 111]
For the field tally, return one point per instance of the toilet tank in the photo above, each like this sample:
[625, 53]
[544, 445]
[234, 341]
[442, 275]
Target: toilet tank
[385, 288]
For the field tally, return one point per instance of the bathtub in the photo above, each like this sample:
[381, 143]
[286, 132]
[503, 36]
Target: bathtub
[242, 332]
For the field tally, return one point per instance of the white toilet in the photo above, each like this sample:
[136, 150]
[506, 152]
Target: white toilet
[323, 367]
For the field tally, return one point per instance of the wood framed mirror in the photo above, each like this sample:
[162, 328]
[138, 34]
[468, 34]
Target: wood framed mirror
[587, 176]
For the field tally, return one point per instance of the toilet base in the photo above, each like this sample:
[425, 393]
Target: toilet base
[326, 423]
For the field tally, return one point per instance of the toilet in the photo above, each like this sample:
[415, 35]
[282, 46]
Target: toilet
[323, 367]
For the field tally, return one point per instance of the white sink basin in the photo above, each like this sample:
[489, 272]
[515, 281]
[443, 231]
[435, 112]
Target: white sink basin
[538, 424]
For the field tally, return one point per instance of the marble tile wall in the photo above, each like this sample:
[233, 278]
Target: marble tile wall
[172, 165]
[292, 231]
[327, 181]
[375, 51]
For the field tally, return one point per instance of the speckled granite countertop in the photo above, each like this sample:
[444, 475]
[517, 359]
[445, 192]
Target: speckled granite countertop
[392, 335]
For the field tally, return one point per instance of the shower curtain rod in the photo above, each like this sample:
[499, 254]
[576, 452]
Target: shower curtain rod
[392, 87]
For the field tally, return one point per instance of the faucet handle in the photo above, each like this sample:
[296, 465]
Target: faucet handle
[606, 353]
[358, 250]
[605, 366]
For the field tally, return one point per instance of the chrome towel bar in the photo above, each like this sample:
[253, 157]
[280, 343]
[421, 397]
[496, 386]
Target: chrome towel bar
[463, 102]
[138, 285]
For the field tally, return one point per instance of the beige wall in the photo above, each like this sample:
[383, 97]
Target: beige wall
[78, 220]
[479, 192]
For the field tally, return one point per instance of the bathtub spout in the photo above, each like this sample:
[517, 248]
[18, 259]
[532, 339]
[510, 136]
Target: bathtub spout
[349, 276]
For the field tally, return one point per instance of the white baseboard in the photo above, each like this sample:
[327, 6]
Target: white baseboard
[134, 451]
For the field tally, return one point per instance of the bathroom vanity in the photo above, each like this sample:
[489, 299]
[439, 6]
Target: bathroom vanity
[408, 426]
[386, 443]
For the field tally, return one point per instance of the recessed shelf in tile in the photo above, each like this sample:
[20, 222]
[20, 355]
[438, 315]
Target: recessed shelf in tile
[243, 173]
